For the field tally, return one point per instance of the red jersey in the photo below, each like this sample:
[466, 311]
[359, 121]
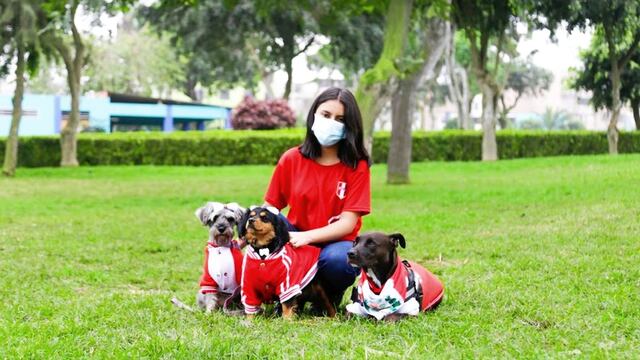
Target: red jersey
[317, 194]
[222, 269]
[280, 275]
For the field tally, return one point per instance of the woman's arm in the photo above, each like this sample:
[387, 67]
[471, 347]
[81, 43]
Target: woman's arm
[334, 231]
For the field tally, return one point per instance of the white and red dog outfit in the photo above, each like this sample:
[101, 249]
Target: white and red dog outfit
[222, 269]
[410, 289]
[281, 275]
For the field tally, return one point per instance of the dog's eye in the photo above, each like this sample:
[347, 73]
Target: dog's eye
[230, 219]
[369, 242]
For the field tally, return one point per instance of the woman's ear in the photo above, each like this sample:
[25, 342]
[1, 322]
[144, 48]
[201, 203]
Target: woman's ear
[397, 238]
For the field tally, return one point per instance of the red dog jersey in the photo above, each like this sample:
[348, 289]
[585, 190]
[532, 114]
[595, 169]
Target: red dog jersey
[280, 275]
[318, 194]
[222, 269]
[397, 295]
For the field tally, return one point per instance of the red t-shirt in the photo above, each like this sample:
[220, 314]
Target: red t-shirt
[317, 194]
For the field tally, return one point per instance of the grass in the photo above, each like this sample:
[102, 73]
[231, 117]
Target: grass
[540, 258]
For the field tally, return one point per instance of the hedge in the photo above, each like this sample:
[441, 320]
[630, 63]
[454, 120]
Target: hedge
[265, 147]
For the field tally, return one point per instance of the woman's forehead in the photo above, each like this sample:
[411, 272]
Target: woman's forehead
[334, 107]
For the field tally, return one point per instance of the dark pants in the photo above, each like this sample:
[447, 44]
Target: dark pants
[334, 270]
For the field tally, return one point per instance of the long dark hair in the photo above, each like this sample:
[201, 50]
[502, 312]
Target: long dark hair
[350, 149]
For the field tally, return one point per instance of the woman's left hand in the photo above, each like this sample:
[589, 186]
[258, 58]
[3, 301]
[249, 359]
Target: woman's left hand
[299, 238]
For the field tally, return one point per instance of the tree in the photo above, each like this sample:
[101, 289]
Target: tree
[378, 83]
[425, 48]
[524, 78]
[458, 79]
[354, 46]
[117, 65]
[593, 77]
[19, 25]
[267, 35]
[63, 34]
[487, 25]
[618, 23]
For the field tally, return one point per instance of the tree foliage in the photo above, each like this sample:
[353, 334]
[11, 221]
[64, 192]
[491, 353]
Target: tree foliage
[618, 23]
[594, 76]
[117, 66]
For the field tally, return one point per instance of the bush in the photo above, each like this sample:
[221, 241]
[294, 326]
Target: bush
[222, 147]
[262, 115]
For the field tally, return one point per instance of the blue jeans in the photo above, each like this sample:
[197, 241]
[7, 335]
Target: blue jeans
[333, 268]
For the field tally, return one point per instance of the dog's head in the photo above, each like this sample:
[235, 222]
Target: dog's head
[374, 248]
[262, 228]
[220, 218]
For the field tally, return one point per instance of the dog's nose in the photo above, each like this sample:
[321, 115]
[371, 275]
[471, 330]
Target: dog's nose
[351, 254]
[221, 228]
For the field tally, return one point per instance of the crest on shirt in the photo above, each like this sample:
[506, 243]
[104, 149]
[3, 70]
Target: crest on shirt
[341, 190]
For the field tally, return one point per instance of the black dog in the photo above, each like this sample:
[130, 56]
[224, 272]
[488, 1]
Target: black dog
[274, 270]
[389, 287]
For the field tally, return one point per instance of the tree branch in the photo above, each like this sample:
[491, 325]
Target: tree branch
[631, 51]
[306, 46]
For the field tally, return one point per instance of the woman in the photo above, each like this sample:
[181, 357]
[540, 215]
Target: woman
[326, 184]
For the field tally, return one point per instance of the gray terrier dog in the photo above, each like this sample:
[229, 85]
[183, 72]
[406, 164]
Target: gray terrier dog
[220, 280]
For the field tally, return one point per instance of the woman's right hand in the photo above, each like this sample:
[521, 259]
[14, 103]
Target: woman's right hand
[299, 238]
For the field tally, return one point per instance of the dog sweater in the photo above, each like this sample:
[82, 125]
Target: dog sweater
[222, 269]
[281, 275]
[397, 294]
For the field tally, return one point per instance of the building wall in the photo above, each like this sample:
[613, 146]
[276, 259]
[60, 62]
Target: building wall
[42, 113]
[37, 119]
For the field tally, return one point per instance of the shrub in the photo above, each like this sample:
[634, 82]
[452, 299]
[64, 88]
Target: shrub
[223, 147]
[262, 115]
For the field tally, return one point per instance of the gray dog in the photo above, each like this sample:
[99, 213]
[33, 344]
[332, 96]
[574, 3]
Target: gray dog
[220, 280]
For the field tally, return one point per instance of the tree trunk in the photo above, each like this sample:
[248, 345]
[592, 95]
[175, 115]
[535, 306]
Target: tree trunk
[11, 147]
[616, 106]
[267, 80]
[68, 135]
[190, 88]
[399, 158]
[74, 65]
[635, 105]
[403, 103]
[489, 143]
[458, 81]
[378, 83]
[289, 68]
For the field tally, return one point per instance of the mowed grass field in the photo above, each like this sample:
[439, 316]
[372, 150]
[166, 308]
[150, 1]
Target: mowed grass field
[540, 258]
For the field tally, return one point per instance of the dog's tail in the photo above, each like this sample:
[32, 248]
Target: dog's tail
[180, 305]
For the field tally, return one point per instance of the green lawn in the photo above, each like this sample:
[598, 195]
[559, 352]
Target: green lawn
[540, 258]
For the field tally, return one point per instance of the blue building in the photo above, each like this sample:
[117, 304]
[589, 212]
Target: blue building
[47, 114]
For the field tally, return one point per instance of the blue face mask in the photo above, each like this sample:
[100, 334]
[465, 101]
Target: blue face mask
[327, 131]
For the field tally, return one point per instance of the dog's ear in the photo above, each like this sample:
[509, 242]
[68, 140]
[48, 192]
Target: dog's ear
[238, 210]
[282, 232]
[398, 239]
[242, 224]
[205, 213]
